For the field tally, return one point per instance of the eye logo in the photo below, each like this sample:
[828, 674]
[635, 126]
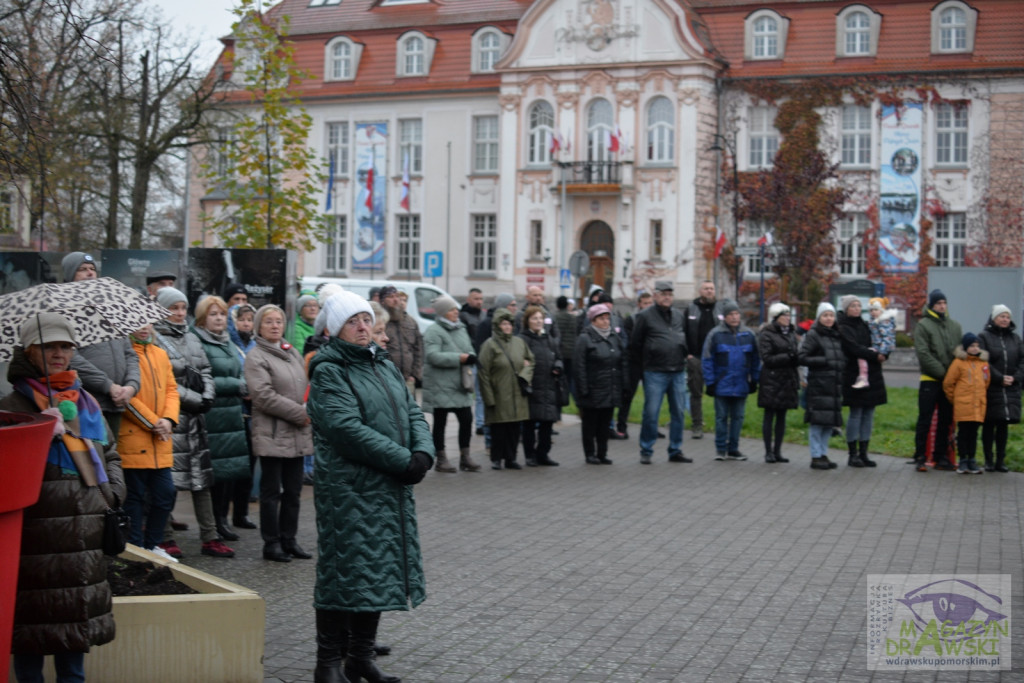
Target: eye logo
[967, 608]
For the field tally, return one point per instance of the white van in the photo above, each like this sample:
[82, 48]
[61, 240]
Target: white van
[421, 294]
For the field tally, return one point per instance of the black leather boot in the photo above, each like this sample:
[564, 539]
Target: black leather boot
[224, 530]
[331, 646]
[274, 552]
[360, 664]
[854, 459]
[868, 462]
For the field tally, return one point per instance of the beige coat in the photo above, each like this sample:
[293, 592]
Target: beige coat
[277, 384]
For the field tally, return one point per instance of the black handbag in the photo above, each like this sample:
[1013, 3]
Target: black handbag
[115, 530]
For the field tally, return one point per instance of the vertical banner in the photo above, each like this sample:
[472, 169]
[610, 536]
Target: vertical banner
[371, 155]
[899, 238]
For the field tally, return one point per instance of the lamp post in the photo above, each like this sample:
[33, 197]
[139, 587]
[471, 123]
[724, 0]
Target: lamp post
[628, 259]
[722, 143]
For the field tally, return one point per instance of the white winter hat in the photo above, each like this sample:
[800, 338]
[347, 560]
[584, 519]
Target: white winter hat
[339, 308]
[824, 307]
[776, 309]
[999, 309]
[326, 291]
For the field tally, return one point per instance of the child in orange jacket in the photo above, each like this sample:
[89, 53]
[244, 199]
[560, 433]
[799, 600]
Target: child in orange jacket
[147, 452]
[966, 387]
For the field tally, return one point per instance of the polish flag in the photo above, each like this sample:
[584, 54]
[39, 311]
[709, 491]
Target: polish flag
[720, 241]
[369, 180]
[404, 201]
[613, 141]
[556, 143]
[766, 240]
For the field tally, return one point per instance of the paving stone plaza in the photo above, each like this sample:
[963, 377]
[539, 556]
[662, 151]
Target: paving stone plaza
[716, 571]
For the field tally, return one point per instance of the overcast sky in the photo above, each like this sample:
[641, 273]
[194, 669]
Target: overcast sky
[205, 20]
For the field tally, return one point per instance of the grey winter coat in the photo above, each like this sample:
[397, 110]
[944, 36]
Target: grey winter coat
[406, 344]
[444, 342]
[106, 363]
[277, 383]
[547, 360]
[822, 353]
[193, 469]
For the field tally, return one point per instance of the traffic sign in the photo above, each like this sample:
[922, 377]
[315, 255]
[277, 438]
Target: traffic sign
[433, 263]
[565, 278]
[579, 263]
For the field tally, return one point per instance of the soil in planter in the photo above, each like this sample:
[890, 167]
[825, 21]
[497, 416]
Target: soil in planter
[127, 577]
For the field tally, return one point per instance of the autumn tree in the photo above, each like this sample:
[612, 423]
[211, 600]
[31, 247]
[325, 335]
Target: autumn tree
[268, 176]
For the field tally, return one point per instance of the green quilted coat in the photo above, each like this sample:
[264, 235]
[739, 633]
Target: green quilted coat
[443, 343]
[503, 399]
[366, 426]
[225, 425]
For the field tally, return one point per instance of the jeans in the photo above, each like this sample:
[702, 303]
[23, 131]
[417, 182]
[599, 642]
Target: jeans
[819, 435]
[860, 423]
[153, 489]
[729, 411]
[478, 408]
[930, 397]
[656, 386]
[70, 667]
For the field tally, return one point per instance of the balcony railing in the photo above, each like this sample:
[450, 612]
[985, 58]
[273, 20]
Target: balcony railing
[591, 172]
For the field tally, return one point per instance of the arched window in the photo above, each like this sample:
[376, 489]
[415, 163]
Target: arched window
[488, 50]
[341, 61]
[660, 131]
[766, 38]
[542, 127]
[953, 31]
[414, 56]
[764, 35]
[858, 34]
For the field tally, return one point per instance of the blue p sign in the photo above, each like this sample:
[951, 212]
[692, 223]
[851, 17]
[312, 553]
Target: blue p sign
[433, 263]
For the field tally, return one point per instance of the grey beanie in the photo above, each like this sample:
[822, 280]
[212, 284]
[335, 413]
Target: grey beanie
[503, 300]
[729, 306]
[301, 302]
[846, 300]
[168, 296]
[70, 263]
[443, 304]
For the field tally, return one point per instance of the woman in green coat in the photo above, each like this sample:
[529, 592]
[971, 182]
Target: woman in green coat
[448, 381]
[372, 445]
[225, 423]
[503, 359]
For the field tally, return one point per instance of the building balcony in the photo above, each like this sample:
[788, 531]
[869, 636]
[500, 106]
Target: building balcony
[591, 177]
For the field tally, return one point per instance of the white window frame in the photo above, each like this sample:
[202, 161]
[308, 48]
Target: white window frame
[336, 244]
[950, 242]
[952, 127]
[942, 28]
[760, 43]
[349, 65]
[484, 252]
[221, 161]
[865, 35]
[661, 133]
[762, 137]
[600, 124]
[323, 3]
[856, 125]
[410, 137]
[656, 239]
[851, 252]
[485, 144]
[409, 235]
[338, 147]
[541, 122]
[486, 56]
[412, 64]
[536, 239]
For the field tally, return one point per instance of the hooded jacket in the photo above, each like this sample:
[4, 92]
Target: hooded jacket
[730, 361]
[822, 353]
[780, 377]
[1005, 359]
[966, 385]
[503, 400]
[157, 399]
[367, 426]
[225, 424]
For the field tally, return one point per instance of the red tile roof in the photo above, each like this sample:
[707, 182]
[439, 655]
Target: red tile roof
[368, 15]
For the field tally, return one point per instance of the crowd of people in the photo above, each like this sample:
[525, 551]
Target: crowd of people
[236, 405]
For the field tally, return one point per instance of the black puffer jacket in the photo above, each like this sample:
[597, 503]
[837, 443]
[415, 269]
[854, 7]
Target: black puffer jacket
[599, 369]
[856, 338]
[544, 399]
[822, 353]
[657, 343]
[780, 381]
[1005, 357]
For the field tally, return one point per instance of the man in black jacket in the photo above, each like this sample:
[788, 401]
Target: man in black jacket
[472, 314]
[659, 347]
[702, 316]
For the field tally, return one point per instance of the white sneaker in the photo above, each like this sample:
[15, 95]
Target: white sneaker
[861, 383]
[160, 552]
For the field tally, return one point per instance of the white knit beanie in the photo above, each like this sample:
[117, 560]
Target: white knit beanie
[326, 291]
[776, 309]
[999, 309]
[822, 308]
[339, 308]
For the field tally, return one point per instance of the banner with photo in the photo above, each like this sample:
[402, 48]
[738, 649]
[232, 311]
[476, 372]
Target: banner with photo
[371, 156]
[899, 237]
[266, 274]
[130, 266]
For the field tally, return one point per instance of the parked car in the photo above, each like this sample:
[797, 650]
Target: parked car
[421, 294]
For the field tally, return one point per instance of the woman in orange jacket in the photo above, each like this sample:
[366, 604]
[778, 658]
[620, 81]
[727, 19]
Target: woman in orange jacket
[145, 440]
[966, 387]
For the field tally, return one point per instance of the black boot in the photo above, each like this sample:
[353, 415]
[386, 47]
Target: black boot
[854, 459]
[224, 531]
[1000, 458]
[331, 646]
[274, 552]
[362, 634]
[868, 462]
[769, 455]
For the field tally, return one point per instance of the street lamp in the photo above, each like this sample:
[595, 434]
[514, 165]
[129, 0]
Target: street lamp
[722, 143]
[628, 259]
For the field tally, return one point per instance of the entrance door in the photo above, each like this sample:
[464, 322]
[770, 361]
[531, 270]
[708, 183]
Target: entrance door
[598, 241]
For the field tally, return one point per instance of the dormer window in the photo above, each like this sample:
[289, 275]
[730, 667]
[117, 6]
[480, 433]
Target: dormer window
[765, 35]
[857, 28]
[342, 59]
[323, 3]
[415, 52]
[953, 26]
[488, 45]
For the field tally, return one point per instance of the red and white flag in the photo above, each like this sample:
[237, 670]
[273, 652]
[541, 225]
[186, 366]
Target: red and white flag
[369, 180]
[766, 240]
[720, 241]
[556, 143]
[404, 194]
[613, 141]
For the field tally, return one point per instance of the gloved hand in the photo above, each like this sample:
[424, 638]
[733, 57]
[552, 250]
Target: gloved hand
[416, 470]
[709, 390]
[471, 360]
[58, 427]
[207, 404]
[752, 385]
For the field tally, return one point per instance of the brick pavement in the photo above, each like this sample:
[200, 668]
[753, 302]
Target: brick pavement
[718, 571]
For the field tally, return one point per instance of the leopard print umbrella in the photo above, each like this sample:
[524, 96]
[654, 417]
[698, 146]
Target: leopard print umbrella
[99, 310]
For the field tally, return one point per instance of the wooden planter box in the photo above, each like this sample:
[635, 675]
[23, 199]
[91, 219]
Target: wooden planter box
[216, 635]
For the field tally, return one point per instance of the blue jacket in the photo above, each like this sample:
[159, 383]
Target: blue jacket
[730, 360]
